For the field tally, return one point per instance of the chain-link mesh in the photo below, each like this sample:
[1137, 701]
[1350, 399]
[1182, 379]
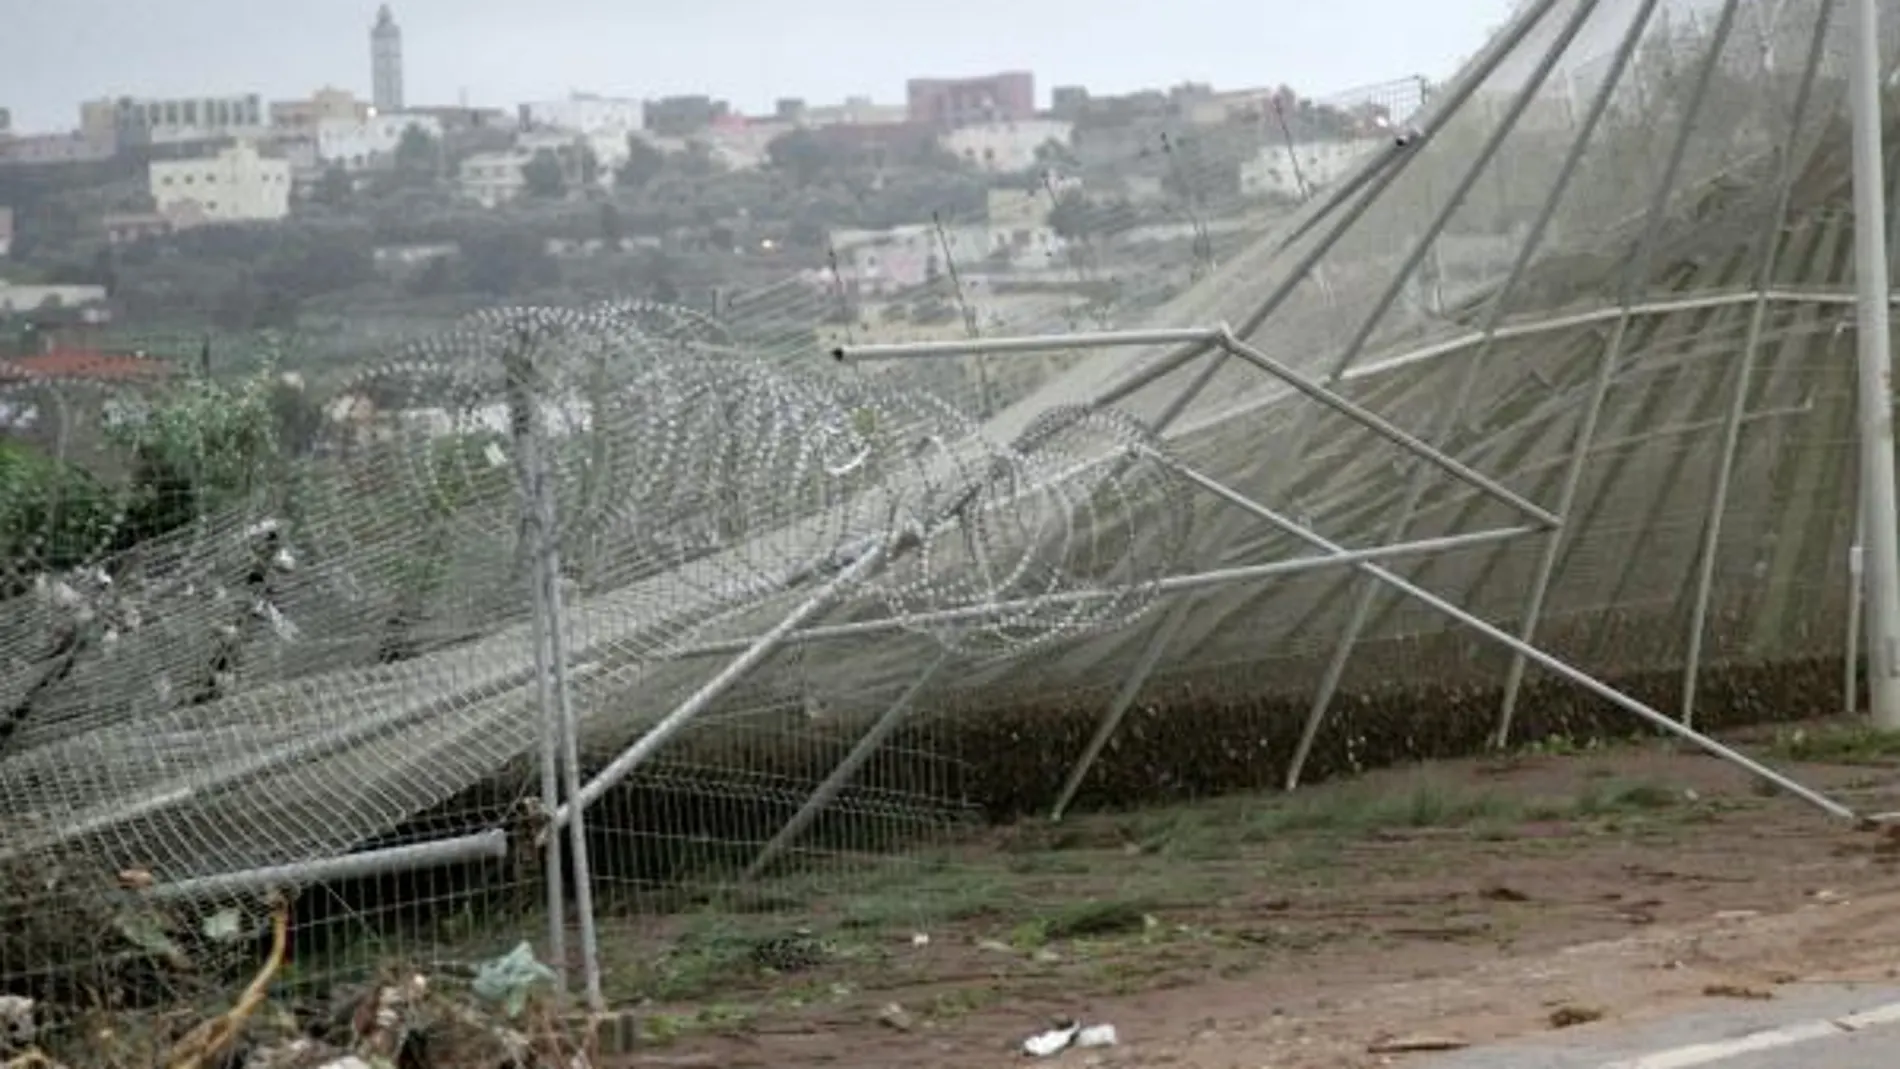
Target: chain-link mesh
[1608, 264]
[310, 669]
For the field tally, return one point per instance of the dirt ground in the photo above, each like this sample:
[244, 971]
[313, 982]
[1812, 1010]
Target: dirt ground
[1469, 901]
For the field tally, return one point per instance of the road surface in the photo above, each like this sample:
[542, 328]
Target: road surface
[1818, 1027]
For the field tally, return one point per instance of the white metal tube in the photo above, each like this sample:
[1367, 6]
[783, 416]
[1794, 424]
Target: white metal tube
[1875, 345]
[1473, 172]
[1541, 325]
[1745, 374]
[1362, 188]
[1547, 661]
[751, 655]
[1174, 584]
[868, 744]
[1384, 428]
[1454, 412]
[482, 846]
[522, 411]
[1636, 274]
[563, 711]
[1038, 343]
[1124, 700]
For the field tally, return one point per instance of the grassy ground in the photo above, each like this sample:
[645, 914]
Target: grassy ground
[1432, 870]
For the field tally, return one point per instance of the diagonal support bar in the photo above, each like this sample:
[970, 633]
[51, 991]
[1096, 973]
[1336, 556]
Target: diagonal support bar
[1524, 649]
[1391, 432]
[1174, 584]
[872, 740]
[749, 658]
[1124, 700]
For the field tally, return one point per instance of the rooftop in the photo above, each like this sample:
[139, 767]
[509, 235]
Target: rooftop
[84, 364]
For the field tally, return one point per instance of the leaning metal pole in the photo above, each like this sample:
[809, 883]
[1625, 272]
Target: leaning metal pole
[867, 745]
[521, 416]
[1745, 373]
[550, 581]
[1426, 245]
[1636, 273]
[1547, 661]
[1882, 557]
[1376, 176]
[749, 658]
[1455, 411]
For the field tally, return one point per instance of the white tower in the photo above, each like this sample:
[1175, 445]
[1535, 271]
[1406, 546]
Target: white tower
[385, 60]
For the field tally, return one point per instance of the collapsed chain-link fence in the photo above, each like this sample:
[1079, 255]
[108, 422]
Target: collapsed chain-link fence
[797, 613]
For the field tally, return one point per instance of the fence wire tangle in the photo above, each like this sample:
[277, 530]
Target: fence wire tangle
[390, 668]
[1606, 266]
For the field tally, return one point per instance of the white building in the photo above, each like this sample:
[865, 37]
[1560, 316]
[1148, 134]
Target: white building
[1295, 171]
[878, 262]
[585, 113]
[493, 178]
[355, 144]
[236, 185]
[115, 122]
[1006, 146]
[609, 151]
[28, 298]
[742, 145]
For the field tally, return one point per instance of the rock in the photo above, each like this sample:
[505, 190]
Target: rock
[896, 1017]
[19, 1023]
[1741, 991]
[1571, 1016]
[1417, 1044]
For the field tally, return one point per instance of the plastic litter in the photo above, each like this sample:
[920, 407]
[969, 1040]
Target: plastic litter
[1069, 1034]
[511, 978]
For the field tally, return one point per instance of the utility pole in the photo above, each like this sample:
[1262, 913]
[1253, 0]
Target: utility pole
[1875, 344]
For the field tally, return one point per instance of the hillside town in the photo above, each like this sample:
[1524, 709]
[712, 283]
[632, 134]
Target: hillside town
[149, 214]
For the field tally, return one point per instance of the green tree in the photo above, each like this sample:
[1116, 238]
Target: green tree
[698, 161]
[544, 176]
[643, 164]
[334, 189]
[507, 261]
[418, 157]
[613, 227]
[800, 155]
[1053, 153]
[1073, 216]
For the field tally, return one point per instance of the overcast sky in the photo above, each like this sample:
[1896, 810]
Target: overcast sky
[502, 52]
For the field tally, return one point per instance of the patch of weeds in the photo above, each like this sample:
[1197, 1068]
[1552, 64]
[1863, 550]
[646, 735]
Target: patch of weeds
[660, 1028]
[1839, 744]
[1562, 745]
[1050, 863]
[706, 957]
[751, 901]
[1360, 808]
[1081, 920]
[1093, 920]
[964, 1000]
[724, 1017]
[1614, 799]
[971, 894]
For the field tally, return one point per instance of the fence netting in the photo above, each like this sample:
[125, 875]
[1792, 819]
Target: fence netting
[1607, 265]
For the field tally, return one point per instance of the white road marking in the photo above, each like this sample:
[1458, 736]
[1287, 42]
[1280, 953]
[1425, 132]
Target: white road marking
[1785, 1036]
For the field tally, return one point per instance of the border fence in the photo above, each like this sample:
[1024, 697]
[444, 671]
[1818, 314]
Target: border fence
[584, 623]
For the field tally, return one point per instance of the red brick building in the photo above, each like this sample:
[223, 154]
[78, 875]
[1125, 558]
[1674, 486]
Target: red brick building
[950, 102]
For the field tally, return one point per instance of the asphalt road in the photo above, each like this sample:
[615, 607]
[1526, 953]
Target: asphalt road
[1810, 1027]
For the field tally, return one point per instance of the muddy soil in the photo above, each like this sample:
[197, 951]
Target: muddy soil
[1471, 901]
